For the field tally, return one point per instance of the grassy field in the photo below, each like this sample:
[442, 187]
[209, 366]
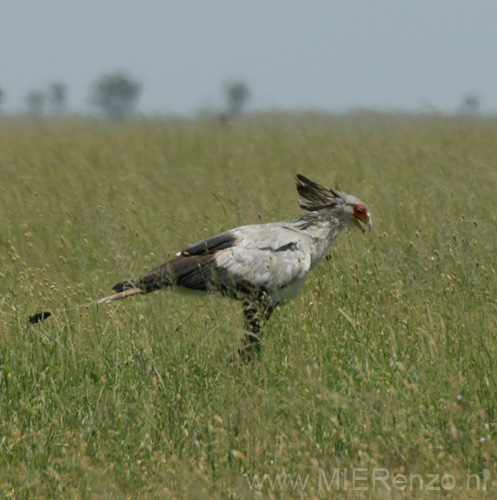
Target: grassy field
[385, 363]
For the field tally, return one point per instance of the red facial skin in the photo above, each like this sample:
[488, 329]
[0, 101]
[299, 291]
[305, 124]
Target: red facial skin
[361, 214]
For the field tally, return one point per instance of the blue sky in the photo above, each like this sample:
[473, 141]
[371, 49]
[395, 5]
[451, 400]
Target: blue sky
[320, 54]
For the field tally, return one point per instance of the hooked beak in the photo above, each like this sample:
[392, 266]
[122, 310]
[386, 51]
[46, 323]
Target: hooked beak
[368, 222]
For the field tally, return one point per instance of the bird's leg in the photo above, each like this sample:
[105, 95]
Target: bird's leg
[256, 313]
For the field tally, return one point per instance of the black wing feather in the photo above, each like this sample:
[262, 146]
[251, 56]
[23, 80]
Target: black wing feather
[210, 245]
[194, 268]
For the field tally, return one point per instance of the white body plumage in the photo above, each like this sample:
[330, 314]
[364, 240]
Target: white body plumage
[277, 257]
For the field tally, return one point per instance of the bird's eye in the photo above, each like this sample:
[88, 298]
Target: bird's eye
[359, 211]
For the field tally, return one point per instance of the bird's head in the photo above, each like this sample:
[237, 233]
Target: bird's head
[350, 210]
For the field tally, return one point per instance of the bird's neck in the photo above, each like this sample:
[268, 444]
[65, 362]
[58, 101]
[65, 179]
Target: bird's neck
[322, 232]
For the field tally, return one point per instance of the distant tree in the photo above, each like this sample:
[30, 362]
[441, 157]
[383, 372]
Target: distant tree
[35, 102]
[470, 104]
[57, 96]
[237, 95]
[2, 97]
[116, 94]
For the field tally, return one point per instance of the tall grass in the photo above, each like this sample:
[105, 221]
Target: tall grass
[386, 360]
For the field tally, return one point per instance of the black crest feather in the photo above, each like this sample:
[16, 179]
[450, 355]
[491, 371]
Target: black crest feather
[314, 196]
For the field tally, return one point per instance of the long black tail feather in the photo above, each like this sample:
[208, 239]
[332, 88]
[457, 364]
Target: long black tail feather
[124, 285]
[39, 317]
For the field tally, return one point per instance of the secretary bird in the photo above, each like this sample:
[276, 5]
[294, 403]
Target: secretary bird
[262, 265]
